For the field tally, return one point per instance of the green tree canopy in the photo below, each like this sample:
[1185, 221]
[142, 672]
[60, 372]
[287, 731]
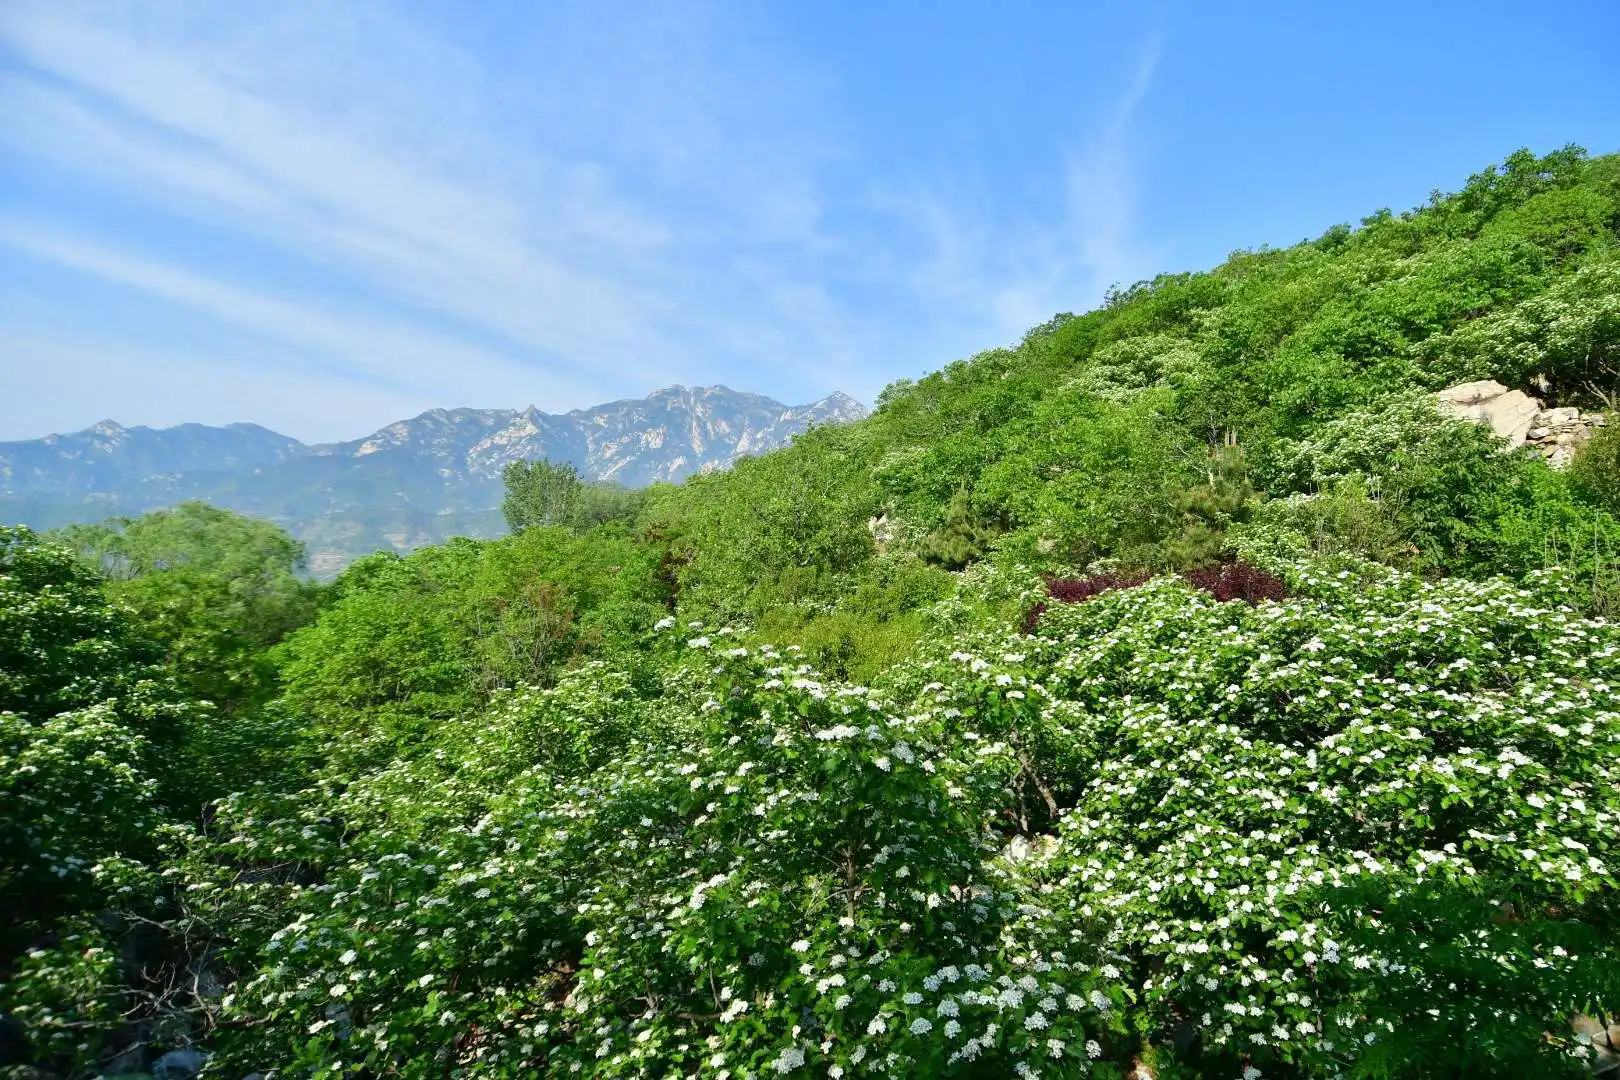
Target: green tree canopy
[540, 493]
[216, 588]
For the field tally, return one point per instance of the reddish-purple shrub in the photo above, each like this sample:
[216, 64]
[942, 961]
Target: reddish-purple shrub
[1236, 581]
[1032, 617]
[1077, 590]
[1227, 581]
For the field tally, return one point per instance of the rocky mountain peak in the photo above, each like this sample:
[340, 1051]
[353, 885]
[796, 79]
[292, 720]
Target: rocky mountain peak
[839, 407]
[412, 482]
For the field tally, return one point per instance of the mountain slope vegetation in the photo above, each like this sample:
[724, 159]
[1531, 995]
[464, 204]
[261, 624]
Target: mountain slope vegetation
[1177, 693]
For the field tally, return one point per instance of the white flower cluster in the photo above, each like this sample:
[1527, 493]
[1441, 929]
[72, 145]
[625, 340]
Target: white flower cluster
[1280, 828]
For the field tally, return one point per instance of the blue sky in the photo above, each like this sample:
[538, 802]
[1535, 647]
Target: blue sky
[323, 217]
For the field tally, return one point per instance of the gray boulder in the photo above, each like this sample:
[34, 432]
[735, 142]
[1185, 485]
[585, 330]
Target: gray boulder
[179, 1065]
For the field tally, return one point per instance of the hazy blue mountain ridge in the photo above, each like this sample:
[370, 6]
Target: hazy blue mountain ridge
[108, 456]
[414, 482]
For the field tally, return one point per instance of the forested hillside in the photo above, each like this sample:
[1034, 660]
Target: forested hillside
[1180, 692]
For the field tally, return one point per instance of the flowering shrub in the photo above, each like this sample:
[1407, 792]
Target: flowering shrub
[1567, 334]
[1372, 828]
[1125, 369]
[786, 871]
[61, 646]
[1369, 828]
[84, 722]
[72, 792]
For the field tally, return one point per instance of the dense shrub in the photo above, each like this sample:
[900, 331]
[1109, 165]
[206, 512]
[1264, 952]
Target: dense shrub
[1569, 335]
[62, 646]
[961, 538]
[1236, 581]
[410, 642]
[1225, 581]
[1598, 465]
[92, 732]
[1079, 590]
[1207, 836]
[1342, 519]
[1302, 820]
[1454, 497]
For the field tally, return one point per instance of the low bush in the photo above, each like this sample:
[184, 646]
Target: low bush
[1236, 581]
[1079, 590]
[1597, 466]
[1225, 581]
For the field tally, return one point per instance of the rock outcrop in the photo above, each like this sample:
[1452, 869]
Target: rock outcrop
[1521, 420]
[179, 1065]
[1602, 1042]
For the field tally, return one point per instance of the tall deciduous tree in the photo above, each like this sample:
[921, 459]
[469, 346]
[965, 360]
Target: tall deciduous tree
[540, 493]
[215, 588]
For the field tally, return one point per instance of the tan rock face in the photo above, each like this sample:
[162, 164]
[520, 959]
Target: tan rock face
[1472, 393]
[1601, 1042]
[1512, 416]
[1519, 419]
[1559, 417]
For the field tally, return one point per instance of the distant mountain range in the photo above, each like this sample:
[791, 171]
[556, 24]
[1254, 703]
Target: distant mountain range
[412, 483]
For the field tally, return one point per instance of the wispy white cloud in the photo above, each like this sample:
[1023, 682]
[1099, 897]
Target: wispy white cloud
[349, 138]
[218, 125]
[576, 204]
[358, 343]
[1102, 180]
[1009, 268]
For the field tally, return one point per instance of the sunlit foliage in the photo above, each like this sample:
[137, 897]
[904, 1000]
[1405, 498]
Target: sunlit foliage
[1175, 693]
